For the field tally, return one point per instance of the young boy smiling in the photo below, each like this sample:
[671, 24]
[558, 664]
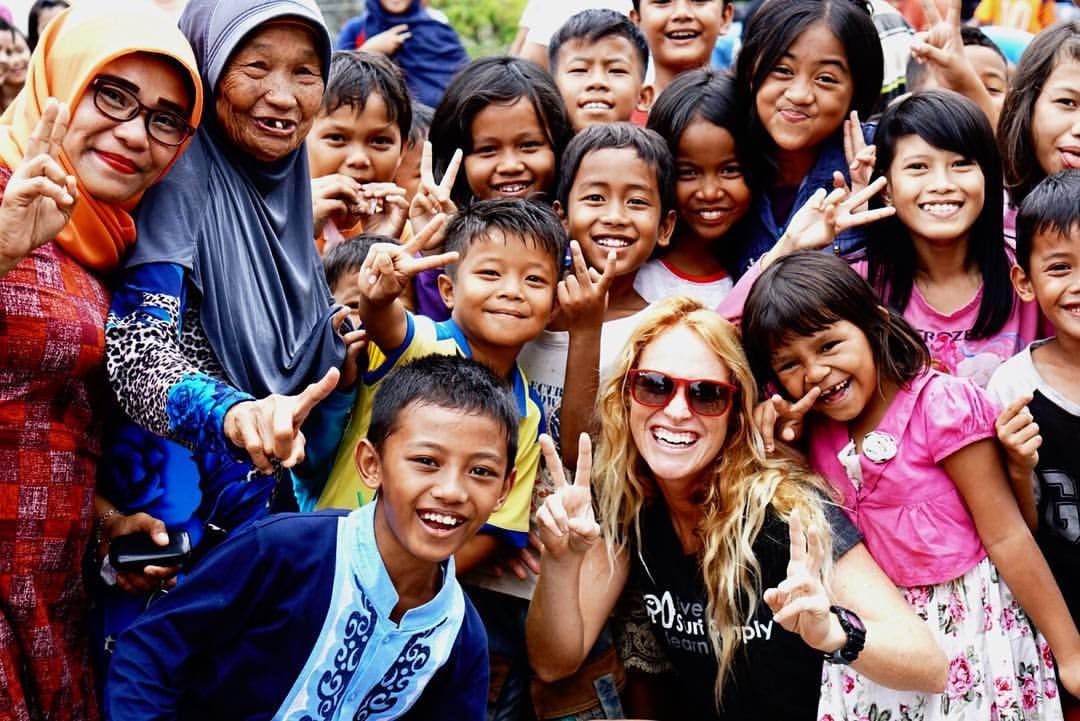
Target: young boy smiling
[681, 33]
[339, 616]
[598, 59]
[504, 260]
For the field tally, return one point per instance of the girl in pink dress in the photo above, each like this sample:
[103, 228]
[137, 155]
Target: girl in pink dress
[911, 454]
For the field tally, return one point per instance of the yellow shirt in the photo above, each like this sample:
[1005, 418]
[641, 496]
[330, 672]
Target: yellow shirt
[425, 337]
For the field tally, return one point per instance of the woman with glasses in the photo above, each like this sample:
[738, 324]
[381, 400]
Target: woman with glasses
[751, 578]
[110, 100]
[222, 335]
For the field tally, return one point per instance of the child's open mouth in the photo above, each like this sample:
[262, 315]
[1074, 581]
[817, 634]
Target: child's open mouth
[613, 242]
[835, 393]
[942, 209]
[440, 522]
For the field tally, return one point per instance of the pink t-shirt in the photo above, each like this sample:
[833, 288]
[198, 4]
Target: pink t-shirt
[947, 334]
[913, 518]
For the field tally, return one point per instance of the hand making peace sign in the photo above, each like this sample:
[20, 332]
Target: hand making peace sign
[388, 268]
[41, 195]
[566, 521]
[432, 198]
[800, 604]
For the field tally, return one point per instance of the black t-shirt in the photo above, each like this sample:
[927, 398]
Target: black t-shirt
[1058, 473]
[774, 675]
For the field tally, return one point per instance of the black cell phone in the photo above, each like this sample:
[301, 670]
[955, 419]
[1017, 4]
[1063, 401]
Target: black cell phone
[135, 551]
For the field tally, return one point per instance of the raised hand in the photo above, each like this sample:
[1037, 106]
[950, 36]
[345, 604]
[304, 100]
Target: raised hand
[40, 196]
[1019, 435]
[269, 428]
[941, 49]
[859, 155]
[800, 604]
[777, 413]
[389, 267]
[387, 42]
[566, 521]
[583, 292]
[355, 343]
[432, 198]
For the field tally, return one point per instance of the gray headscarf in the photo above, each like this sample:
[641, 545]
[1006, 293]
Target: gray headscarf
[243, 227]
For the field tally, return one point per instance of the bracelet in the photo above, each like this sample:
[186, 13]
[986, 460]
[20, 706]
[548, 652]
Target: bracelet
[100, 525]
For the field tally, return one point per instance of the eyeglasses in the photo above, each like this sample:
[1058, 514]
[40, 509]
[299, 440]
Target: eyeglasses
[120, 104]
[655, 390]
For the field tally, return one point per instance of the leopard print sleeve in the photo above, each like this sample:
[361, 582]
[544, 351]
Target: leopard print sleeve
[160, 364]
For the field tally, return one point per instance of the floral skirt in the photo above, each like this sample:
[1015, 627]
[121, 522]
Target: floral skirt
[1000, 668]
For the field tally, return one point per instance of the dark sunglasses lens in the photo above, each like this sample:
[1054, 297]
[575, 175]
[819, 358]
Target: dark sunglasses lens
[708, 398]
[652, 389]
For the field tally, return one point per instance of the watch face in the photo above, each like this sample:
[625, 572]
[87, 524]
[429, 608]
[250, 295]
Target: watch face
[852, 619]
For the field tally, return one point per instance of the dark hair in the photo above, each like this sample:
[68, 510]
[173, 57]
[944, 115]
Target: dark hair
[33, 32]
[637, 4]
[535, 223]
[500, 80]
[446, 381]
[1052, 206]
[806, 292]
[1056, 44]
[596, 24]
[950, 122]
[347, 257]
[647, 144]
[701, 94]
[421, 123]
[355, 75]
[769, 34]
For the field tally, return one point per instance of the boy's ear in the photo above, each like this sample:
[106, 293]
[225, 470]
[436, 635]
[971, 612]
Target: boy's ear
[666, 229]
[1022, 283]
[726, 17]
[645, 97]
[635, 17]
[508, 483]
[368, 464]
[561, 212]
[446, 290]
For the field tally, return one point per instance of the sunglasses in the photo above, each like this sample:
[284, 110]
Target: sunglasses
[655, 390]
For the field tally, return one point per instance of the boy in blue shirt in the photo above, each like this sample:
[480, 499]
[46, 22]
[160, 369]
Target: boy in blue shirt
[335, 616]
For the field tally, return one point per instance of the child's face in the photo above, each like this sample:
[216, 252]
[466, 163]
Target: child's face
[614, 204]
[395, 7]
[511, 155]
[837, 359]
[682, 33]
[1053, 279]
[408, 172]
[502, 292]
[806, 97]
[676, 443]
[364, 145]
[440, 474]
[992, 70]
[600, 81]
[348, 294]
[1055, 119]
[938, 194]
[710, 189]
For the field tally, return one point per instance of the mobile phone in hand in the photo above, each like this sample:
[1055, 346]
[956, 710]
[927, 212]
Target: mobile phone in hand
[136, 551]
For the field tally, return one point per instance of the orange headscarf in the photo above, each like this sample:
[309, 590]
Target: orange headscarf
[70, 53]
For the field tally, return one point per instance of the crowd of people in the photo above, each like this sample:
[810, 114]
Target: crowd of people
[672, 365]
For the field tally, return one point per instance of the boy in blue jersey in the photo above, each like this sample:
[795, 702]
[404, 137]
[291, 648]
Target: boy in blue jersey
[503, 260]
[334, 616]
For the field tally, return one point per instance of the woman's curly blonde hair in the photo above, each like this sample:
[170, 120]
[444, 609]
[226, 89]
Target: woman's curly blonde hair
[742, 484]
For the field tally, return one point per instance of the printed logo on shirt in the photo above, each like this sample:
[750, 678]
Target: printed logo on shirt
[683, 623]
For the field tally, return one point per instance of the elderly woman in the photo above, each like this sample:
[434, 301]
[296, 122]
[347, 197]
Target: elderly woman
[696, 518]
[133, 91]
[221, 338]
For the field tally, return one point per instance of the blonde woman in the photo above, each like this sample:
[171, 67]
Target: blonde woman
[696, 518]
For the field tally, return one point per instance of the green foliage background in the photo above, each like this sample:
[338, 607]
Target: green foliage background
[486, 27]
